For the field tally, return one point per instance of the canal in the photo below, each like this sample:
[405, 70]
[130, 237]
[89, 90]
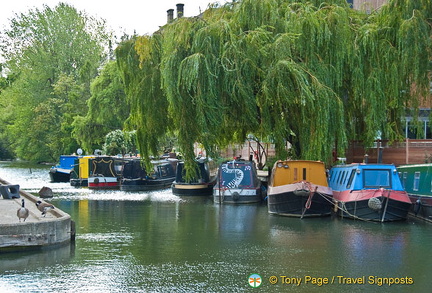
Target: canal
[158, 242]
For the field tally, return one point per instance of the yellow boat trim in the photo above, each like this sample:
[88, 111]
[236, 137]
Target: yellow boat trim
[190, 186]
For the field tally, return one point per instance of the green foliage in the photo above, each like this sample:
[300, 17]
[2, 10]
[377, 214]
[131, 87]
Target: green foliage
[310, 73]
[142, 80]
[107, 109]
[120, 142]
[51, 57]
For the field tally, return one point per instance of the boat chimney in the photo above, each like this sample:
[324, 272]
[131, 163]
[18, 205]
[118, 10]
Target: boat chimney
[380, 155]
[180, 10]
[366, 159]
[170, 15]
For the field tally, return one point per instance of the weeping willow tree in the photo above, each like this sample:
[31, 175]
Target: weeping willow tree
[308, 73]
[148, 103]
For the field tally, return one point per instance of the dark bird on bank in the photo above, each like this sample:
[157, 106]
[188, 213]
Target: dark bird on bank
[44, 207]
[22, 212]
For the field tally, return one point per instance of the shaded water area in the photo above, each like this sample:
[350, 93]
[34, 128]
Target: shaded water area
[158, 242]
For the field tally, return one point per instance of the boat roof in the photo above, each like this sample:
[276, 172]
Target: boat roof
[300, 161]
[244, 162]
[363, 166]
[415, 165]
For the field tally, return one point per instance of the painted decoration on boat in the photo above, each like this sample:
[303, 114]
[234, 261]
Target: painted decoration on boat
[237, 182]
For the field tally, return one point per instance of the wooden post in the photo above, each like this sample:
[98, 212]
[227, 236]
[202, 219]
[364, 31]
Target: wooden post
[406, 150]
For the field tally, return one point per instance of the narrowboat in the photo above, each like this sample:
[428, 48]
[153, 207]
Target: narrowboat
[202, 185]
[136, 177]
[371, 192]
[237, 182]
[299, 188]
[81, 171]
[105, 172]
[62, 171]
[417, 181]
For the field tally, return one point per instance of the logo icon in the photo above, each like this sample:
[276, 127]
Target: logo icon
[255, 280]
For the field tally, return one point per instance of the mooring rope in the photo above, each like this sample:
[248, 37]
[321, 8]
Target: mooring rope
[343, 208]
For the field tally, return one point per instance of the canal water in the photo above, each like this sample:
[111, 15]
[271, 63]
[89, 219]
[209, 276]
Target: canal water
[158, 242]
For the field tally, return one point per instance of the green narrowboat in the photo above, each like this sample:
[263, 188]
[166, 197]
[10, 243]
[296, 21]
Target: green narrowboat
[417, 181]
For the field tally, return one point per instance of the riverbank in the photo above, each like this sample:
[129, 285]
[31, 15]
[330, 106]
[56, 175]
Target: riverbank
[38, 231]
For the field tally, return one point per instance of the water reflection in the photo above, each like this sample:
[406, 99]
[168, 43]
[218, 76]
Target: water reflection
[35, 260]
[158, 242]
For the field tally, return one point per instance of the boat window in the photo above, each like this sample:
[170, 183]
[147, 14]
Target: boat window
[295, 174]
[376, 178]
[431, 185]
[304, 173]
[339, 176]
[342, 177]
[351, 177]
[416, 181]
[405, 175]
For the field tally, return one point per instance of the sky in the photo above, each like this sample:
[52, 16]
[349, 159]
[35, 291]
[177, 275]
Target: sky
[124, 16]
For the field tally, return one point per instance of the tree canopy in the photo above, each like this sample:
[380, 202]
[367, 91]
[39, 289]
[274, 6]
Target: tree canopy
[311, 73]
[107, 109]
[51, 56]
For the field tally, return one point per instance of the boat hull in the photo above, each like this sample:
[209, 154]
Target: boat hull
[373, 205]
[192, 189]
[300, 200]
[79, 182]
[421, 207]
[103, 183]
[237, 195]
[145, 184]
[59, 175]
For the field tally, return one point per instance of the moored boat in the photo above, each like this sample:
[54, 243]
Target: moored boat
[62, 171]
[105, 172]
[417, 181]
[136, 177]
[237, 182]
[299, 188]
[371, 192]
[81, 171]
[203, 185]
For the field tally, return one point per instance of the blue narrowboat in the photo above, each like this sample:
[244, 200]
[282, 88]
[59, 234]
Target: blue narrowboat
[371, 192]
[62, 171]
[417, 181]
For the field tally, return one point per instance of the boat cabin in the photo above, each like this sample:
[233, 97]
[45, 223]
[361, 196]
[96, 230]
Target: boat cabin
[364, 176]
[288, 172]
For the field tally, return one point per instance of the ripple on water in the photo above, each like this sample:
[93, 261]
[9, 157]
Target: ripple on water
[117, 195]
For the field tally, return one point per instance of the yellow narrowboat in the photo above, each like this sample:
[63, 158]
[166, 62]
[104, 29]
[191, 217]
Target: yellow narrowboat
[299, 188]
[81, 171]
